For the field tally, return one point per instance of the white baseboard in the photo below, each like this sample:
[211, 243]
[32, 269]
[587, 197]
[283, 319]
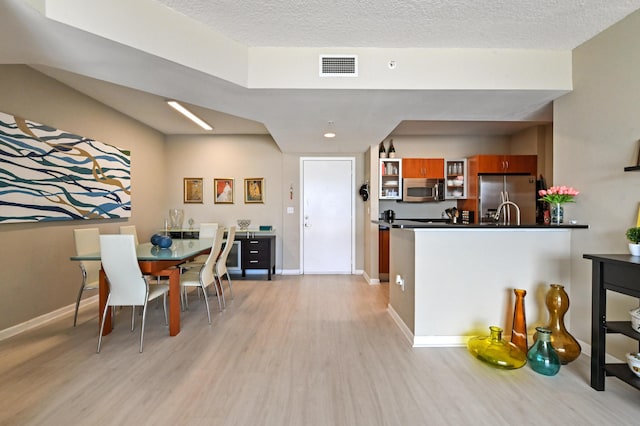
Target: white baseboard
[371, 281]
[403, 327]
[43, 319]
[456, 341]
[290, 272]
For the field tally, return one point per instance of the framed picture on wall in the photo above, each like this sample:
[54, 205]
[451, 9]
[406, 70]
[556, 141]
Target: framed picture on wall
[254, 190]
[193, 190]
[223, 191]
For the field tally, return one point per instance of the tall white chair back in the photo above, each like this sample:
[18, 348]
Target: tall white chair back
[208, 230]
[205, 276]
[87, 240]
[127, 285]
[130, 230]
[221, 264]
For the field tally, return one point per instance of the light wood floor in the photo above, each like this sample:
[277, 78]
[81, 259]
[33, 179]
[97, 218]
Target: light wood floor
[311, 350]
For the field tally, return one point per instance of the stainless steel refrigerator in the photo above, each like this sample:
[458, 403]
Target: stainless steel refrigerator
[494, 189]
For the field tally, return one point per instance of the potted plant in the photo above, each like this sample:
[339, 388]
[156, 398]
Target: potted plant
[633, 235]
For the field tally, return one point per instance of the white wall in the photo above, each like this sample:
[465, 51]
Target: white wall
[596, 132]
[248, 156]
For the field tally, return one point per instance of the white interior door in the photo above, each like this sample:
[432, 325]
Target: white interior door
[327, 215]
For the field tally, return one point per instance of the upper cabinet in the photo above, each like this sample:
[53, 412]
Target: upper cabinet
[508, 164]
[390, 179]
[431, 168]
[456, 179]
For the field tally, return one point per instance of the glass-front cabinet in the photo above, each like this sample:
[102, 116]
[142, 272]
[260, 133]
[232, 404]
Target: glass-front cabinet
[455, 179]
[390, 179]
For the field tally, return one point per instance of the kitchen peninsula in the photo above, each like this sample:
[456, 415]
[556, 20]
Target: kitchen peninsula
[450, 282]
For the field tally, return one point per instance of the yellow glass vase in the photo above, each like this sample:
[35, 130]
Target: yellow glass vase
[495, 351]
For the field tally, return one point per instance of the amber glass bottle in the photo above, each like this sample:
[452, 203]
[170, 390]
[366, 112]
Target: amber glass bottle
[519, 330]
[563, 342]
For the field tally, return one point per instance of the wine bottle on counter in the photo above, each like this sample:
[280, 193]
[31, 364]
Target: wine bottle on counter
[381, 151]
[392, 150]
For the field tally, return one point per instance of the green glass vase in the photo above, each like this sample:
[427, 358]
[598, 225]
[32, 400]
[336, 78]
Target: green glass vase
[495, 351]
[542, 357]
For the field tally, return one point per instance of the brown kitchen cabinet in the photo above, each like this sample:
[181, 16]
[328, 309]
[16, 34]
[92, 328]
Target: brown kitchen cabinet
[431, 168]
[508, 164]
[383, 251]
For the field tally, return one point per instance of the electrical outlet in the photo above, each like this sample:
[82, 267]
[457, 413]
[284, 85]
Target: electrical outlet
[289, 210]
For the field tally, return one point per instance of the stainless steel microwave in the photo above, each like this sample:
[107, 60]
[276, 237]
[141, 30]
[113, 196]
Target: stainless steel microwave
[420, 190]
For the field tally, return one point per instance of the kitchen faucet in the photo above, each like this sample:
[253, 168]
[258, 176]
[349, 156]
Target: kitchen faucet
[507, 217]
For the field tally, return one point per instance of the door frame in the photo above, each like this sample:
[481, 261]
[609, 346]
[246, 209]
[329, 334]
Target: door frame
[352, 161]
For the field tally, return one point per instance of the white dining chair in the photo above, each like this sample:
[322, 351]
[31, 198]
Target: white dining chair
[127, 285]
[130, 230]
[204, 276]
[221, 263]
[207, 230]
[87, 240]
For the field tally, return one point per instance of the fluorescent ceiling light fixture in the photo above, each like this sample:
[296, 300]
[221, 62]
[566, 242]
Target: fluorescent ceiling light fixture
[191, 116]
[330, 131]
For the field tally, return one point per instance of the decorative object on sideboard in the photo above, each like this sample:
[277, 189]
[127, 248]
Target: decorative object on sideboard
[243, 224]
[556, 196]
[633, 235]
[567, 347]
[519, 327]
[176, 218]
[542, 357]
[495, 351]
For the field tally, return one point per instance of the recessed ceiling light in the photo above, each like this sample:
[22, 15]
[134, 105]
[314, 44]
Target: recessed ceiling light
[330, 131]
[191, 116]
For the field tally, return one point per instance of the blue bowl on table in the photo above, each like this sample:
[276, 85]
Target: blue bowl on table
[164, 241]
[155, 238]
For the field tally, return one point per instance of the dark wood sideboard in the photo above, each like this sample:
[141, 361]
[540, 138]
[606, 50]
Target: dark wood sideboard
[619, 273]
[258, 252]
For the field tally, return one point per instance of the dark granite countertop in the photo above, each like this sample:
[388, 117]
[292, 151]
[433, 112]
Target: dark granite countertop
[426, 224]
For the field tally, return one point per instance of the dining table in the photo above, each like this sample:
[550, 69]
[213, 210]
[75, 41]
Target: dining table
[158, 262]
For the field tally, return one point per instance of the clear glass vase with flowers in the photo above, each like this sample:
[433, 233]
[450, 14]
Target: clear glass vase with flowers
[556, 196]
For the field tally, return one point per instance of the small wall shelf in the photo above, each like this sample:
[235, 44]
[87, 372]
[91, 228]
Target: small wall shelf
[632, 169]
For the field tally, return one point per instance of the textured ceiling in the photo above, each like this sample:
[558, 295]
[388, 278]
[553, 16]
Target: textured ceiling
[127, 71]
[518, 24]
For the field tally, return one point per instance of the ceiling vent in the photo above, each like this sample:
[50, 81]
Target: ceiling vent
[338, 66]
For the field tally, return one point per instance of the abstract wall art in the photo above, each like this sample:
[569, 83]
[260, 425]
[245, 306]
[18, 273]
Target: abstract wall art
[47, 174]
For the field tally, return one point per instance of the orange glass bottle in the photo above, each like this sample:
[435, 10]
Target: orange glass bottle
[519, 330]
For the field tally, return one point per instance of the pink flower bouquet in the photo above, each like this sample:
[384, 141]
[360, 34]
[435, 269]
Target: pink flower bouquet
[558, 194]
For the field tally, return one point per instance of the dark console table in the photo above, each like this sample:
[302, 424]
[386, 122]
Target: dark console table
[619, 273]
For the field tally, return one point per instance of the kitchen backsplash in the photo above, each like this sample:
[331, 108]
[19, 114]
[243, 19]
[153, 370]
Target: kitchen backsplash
[431, 210]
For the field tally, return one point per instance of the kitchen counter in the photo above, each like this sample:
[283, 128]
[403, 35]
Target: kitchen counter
[442, 223]
[449, 282]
